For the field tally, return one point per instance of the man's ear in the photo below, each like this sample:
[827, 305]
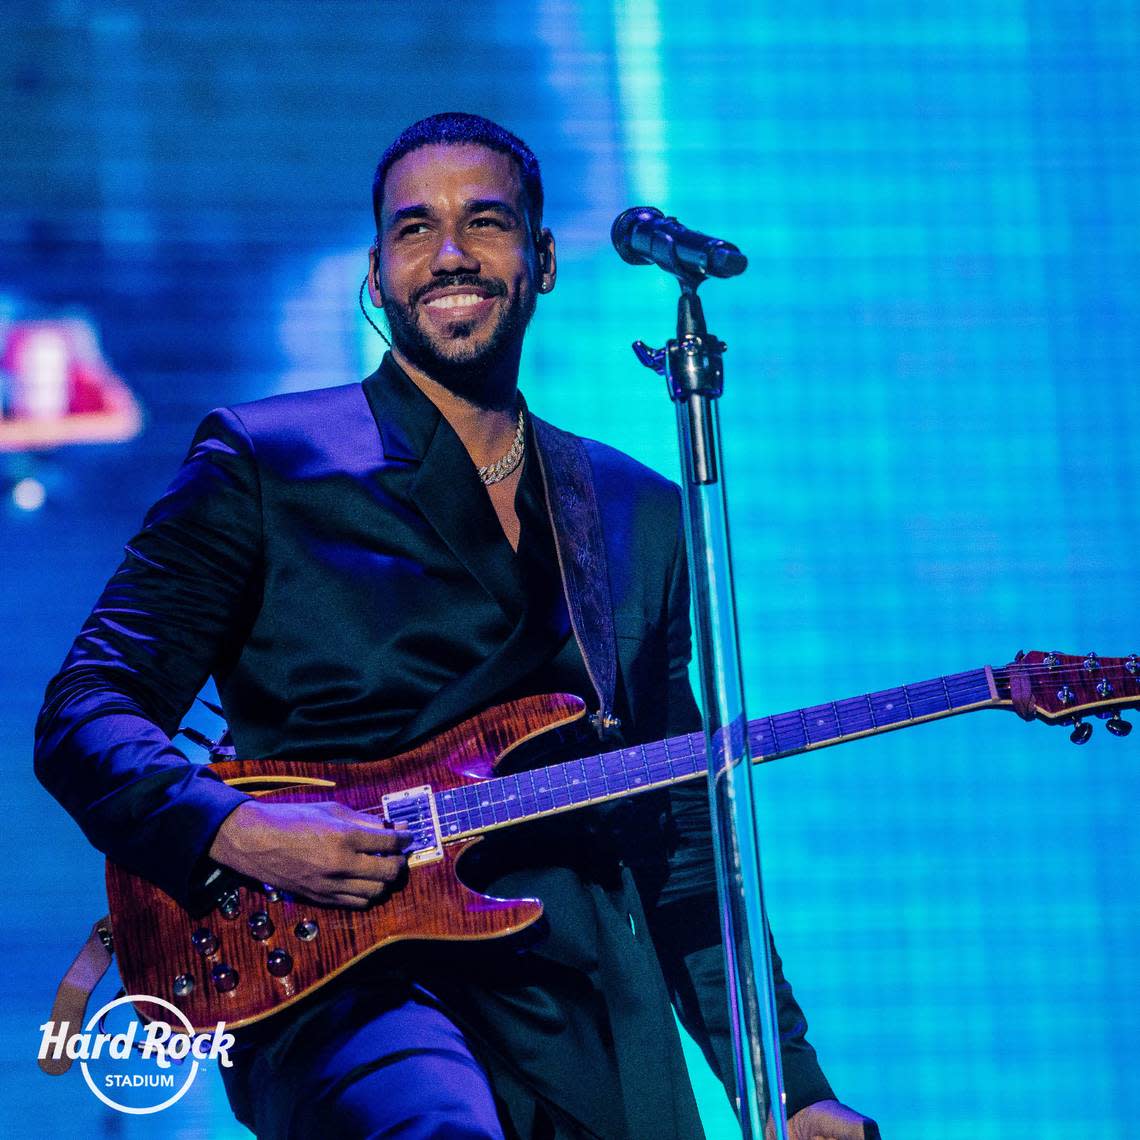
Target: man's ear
[547, 261]
[374, 275]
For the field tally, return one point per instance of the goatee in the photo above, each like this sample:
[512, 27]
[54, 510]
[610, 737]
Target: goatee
[483, 375]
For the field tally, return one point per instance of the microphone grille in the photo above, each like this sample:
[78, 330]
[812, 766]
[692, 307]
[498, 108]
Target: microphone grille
[621, 232]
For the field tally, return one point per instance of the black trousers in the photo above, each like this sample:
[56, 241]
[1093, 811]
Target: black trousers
[375, 1063]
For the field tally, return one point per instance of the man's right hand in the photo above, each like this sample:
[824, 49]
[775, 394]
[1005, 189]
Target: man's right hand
[325, 852]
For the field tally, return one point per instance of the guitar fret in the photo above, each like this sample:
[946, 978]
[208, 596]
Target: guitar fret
[614, 772]
[558, 786]
[889, 707]
[906, 697]
[467, 806]
[543, 795]
[447, 809]
[595, 777]
[927, 698]
[854, 715]
[970, 687]
[946, 692]
[657, 766]
[528, 797]
[637, 768]
[762, 737]
[499, 811]
[576, 778]
[679, 748]
[791, 733]
[508, 795]
[820, 723]
[473, 811]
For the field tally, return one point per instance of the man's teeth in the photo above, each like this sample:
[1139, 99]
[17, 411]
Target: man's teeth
[454, 301]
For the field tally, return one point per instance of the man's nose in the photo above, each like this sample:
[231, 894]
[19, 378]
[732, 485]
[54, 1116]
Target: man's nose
[452, 256]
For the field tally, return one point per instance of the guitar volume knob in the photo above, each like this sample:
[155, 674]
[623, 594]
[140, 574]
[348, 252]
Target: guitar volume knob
[279, 963]
[205, 941]
[306, 930]
[224, 977]
[260, 926]
[183, 985]
[229, 905]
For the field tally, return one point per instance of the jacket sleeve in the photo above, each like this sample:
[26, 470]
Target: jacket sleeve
[685, 917]
[172, 613]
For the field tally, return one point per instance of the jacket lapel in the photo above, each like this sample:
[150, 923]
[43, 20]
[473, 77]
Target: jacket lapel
[445, 489]
[447, 492]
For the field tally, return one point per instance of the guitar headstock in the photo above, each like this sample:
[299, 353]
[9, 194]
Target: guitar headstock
[1062, 688]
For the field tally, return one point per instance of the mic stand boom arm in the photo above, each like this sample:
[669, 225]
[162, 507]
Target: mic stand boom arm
[694, 374]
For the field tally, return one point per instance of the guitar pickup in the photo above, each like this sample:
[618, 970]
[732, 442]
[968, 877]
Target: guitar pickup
[414, 809]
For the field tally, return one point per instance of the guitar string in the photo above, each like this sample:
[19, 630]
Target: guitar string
[855, 724]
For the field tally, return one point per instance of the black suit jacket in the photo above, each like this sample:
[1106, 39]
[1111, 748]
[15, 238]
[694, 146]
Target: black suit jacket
[332, 560]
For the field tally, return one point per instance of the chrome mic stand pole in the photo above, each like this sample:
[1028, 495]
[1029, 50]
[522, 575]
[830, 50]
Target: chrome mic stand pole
[694, 376]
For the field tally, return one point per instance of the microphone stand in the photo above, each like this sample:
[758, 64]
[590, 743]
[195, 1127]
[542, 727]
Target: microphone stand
[694, 374]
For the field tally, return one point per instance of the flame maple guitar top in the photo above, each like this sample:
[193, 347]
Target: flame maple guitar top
[155, 937]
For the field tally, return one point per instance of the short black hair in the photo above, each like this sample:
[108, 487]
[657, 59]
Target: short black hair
[458, 128]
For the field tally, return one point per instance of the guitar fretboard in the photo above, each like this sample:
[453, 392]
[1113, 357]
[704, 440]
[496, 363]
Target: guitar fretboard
[503, 800]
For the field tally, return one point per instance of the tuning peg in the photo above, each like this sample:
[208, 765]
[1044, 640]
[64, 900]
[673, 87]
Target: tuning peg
[1081, 733]
[1118, 727]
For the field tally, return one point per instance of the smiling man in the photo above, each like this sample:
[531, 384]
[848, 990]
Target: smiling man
[361, 568]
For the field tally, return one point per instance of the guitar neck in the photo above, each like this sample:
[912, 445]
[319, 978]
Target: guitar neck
[505, 800]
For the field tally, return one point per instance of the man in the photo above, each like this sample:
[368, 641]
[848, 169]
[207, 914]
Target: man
[360, 568]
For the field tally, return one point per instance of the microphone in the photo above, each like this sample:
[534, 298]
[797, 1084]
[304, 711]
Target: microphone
[643, 235]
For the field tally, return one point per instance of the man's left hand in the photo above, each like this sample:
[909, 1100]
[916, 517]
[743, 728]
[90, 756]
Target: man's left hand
[830, 1120]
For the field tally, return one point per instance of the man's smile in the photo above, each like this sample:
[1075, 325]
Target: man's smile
[455, 301]
[466, 301]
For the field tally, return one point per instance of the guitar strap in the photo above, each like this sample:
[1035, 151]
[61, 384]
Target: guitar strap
[568, 483]
[83, 975]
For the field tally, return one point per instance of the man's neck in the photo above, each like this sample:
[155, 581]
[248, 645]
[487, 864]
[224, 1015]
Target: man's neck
[486, 432]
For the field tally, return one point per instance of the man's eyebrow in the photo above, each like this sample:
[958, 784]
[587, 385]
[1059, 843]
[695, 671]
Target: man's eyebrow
[406, 212]
[472, 206]
[492, 205]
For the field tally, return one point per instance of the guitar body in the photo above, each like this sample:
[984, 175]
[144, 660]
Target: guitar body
[230, 964]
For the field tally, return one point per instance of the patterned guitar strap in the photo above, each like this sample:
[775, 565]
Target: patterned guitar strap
[568, 484]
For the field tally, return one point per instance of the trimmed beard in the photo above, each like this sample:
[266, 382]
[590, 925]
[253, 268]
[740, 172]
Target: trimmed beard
[471, 373]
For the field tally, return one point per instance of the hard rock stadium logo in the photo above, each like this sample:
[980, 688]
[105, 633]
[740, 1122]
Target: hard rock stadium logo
[146, 1066]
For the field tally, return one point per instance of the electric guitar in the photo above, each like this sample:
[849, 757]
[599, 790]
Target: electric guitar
[260, 949]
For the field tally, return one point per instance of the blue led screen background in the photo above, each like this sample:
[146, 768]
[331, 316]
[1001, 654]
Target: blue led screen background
[930, 425]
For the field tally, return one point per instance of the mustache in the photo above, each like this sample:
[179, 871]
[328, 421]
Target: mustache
[489, 285]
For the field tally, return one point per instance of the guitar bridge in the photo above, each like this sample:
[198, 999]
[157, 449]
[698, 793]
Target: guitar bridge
[414, 808]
